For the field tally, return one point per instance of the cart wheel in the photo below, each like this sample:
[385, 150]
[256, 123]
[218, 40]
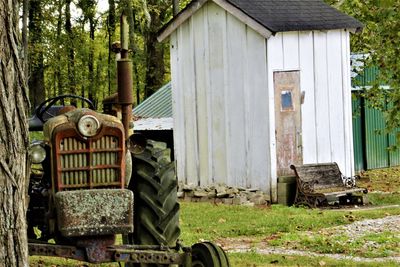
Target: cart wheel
[208, 254]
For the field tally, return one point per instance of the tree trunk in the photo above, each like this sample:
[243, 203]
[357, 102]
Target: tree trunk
[14, 140]
[92, 96]
[59, 84]
[71, 52]
[25, 12]
[175, 7]
[36, 62]
[154, 50]
[111, 31]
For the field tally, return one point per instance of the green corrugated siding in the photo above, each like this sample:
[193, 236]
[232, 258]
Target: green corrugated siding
[357, 134]
[371, 143]
[394, 154]
[367, 77]
[158, 105]
[376, 141]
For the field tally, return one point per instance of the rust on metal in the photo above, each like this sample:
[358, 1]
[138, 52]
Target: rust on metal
[94, 212]
[52, 250]
[96, 248]
[125, 87]
[124, 73]
[159, 257]
[87, 162]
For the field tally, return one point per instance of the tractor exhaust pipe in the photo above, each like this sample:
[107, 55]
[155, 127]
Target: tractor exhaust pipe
[125, 83]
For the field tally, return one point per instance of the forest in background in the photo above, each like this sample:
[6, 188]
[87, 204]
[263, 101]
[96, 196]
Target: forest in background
[67, 45]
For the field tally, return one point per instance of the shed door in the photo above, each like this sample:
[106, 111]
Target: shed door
[288, 120]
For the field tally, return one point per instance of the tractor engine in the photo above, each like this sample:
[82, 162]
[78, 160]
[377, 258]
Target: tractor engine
[84, 194]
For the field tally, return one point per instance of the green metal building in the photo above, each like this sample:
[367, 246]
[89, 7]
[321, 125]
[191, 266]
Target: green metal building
[373, 146]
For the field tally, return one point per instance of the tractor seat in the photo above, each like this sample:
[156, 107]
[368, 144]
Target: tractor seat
[35, 124]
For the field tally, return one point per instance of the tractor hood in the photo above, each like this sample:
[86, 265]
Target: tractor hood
[71, 120]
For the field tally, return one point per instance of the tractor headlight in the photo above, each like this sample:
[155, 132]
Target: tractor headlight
[37, 153]
[88, 125]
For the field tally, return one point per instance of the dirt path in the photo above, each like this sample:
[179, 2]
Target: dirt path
[351, 231]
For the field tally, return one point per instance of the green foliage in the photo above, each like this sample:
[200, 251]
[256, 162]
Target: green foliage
[380, 40]
[90, 69]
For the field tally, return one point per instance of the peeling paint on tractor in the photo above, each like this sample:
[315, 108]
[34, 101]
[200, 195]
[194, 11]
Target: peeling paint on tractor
[94, 212]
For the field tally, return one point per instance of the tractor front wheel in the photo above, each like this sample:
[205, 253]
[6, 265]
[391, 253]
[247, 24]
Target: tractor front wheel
[208, 254]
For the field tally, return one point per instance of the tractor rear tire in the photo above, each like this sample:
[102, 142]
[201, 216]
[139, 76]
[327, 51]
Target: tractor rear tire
[156, 207]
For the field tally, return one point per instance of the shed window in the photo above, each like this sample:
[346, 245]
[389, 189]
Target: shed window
[286, 101]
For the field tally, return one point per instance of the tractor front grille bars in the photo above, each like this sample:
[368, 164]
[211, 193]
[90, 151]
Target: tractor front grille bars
[89, 163]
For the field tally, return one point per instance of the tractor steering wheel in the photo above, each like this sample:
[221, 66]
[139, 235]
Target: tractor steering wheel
[47, 104]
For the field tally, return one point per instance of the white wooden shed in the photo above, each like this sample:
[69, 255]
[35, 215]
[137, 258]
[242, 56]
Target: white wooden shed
[257, 86]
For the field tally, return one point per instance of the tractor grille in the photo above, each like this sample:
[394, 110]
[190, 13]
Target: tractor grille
[89, 163]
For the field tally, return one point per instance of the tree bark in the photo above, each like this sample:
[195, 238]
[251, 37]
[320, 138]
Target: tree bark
[25, 12]
[14, 140]
[111, 30]
[59, 83]
[36, 54]
[154, 50]
[92, 95]
[71, 52]
[175, 7]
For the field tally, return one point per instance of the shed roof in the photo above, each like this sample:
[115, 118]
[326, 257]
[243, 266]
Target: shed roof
[158, 105]
[296, 15]
[275, 15]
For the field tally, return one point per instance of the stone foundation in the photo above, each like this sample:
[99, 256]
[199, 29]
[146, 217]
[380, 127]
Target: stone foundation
[222, 194]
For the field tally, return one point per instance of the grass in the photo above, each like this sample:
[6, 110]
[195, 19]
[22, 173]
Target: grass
[289, 227]
[385, 180]
[217, 222]
[370, 245]
[39, 261]
[389, 198]
[36, 135]
[253, 259]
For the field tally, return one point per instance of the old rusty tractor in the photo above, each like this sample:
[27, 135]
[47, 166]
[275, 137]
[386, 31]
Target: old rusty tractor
[93, 181]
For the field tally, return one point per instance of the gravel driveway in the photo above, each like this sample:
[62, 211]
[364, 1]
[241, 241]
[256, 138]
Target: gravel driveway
[352, 231]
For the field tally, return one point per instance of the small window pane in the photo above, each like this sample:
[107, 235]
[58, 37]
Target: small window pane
[286, 100]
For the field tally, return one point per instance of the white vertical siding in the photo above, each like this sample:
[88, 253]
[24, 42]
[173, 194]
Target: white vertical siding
[336, 105]
[223, 93]
[322, 109]
[186, 46]
[236, 76]
[217, 35]
[177, 110]
[223, 97]
[257, 123]
[323, 61]
[202, 86]
[348, 128]
[290, 44]
[309, 130]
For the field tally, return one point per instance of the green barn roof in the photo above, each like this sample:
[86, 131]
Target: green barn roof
[158, 105]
